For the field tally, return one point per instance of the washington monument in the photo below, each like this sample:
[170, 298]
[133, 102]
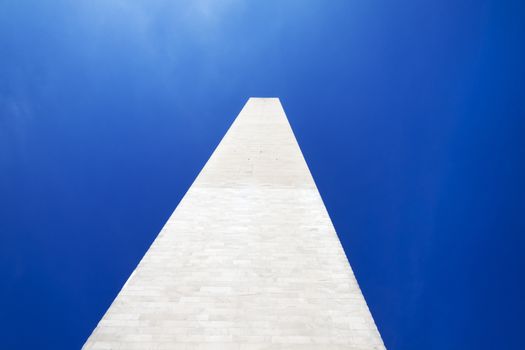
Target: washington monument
[249, 259]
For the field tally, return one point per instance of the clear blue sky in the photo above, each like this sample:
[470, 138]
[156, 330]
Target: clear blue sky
[411, 115]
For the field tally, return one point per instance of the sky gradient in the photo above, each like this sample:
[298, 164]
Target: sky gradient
[410, 114]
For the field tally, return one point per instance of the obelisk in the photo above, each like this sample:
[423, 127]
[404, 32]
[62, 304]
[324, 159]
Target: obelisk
[249, 259]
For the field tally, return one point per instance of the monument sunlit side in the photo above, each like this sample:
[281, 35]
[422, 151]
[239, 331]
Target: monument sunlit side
[249, 259]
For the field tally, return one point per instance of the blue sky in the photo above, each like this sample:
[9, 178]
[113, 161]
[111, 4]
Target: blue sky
[411, 116]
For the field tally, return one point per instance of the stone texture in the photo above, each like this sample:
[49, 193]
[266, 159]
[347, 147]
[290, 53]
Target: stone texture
[249, 260]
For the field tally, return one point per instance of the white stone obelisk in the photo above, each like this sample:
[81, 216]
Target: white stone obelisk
[248, 260]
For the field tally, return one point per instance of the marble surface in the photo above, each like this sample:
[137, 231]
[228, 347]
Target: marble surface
[248, 260]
